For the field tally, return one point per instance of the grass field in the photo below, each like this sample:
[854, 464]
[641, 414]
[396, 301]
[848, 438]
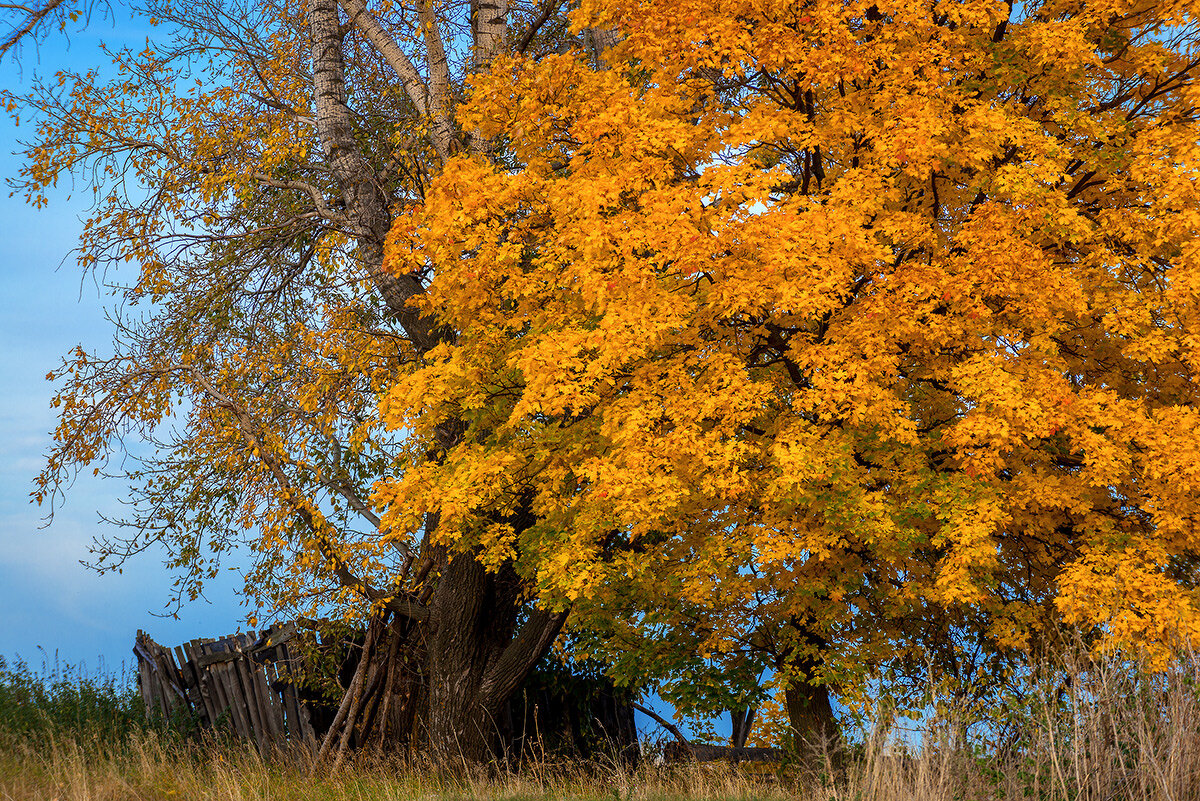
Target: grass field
[1115, 733]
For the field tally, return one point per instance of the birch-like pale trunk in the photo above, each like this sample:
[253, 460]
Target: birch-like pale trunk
[366, 203]
[430, 101]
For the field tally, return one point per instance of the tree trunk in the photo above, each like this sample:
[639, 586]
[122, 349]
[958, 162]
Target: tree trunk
[366, 204]
[458, 721]
[477, 656]
[810, 714]
[743, 722]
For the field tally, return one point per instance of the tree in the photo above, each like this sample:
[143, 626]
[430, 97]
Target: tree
[825, 336]
[250, 164]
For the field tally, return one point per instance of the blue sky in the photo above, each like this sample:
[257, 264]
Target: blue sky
[49, 602]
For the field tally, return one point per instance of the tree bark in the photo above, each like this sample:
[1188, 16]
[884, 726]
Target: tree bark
[366, 204]
[489, 27]
[810, 712]
[478, 656]
[743, 722]
[458, 722]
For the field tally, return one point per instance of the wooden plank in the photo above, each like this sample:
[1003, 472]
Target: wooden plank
[140, 677]
[148, 699]
[227, 675]
[226, 703]
[237, 698]
[250, 701]
[203, 682]
[270, 702]
[173, 680]
[266, 702]
[304, 733]
[274, 704]
[156, 690]
[187, 680]
[155, 696]
[307, 730]
[205, 660]
[233, 691]
[291, 715]
[291, 701]
[166, 690]
[278, 677]
[162, 667]
[254, 700]
[191, 683]
[185, 670]
[203, 690]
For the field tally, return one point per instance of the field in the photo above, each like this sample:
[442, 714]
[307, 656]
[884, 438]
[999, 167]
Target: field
[1113, 732]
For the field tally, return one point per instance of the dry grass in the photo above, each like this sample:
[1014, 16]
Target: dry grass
[1110, 732]
[153, 767]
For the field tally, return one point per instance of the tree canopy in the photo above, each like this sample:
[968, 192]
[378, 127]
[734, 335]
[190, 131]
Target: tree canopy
[247, 162]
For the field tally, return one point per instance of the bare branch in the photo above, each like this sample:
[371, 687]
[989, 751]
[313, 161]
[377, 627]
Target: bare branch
[442, 133]
[661, 721]
[548, 9]
[318, 199]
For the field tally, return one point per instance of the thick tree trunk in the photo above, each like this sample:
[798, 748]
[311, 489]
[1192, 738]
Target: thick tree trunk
[743, 723]
[814, 728]
[810, 713]
[366, 204]
[477, 656]
[458, 721]
[489, 27]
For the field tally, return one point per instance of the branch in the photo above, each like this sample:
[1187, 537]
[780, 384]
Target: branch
[366, 204]
[548, 9]
[530, 645]
[317, 198]
[439, 74]
[344, 488]
[33, 16]
[602, 40]
[336, 564]
[275, 103]
[666, 724]
[489, 29]
[441, 134]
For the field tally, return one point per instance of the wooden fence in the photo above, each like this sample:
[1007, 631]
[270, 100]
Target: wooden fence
[241, 682]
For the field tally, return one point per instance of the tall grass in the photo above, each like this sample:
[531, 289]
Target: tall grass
[60, 700]
[1089, 729]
